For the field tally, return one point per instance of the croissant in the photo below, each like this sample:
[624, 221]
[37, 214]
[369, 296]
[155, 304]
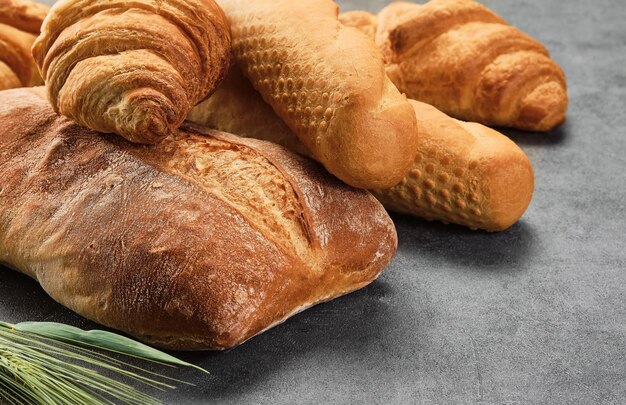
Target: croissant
[328, 83]
[465, 60]
[20, 21]
[464, 173]
[132, 68]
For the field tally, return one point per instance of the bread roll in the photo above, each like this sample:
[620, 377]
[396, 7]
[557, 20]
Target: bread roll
[464, 173]
[328, 84]
[468, 62]
[132, 68]
[20, 21]
[199, 242]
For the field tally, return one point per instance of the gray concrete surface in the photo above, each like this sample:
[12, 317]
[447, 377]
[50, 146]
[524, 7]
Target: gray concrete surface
[533, 315]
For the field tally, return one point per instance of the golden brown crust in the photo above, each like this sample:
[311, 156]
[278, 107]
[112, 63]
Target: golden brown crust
[24, 15]
[464, 173]
[327, 82]
[465, 60]
[20, 21]
[135, 68]
[364, 21]
[236, 106]
[199, 242]
[8, 78]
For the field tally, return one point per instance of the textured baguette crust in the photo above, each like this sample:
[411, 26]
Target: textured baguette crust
[230, 111]
[135, 68]
[328, 84]
[465, 60]
[199, 242]
[464, 173]
[20, 21]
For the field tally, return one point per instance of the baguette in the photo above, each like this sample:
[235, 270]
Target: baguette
[464, 173]
[199, 242]
[132, 68]
[462, 58]
[328, 84]
[20, 21]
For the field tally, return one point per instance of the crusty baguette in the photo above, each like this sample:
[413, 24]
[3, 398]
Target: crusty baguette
[328, 83]
[20, 21]
[132, 68]
[199, 242]
[464, 173]
[465, 60]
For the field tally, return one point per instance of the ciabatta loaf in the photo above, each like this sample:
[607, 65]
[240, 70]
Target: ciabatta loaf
[200, 242]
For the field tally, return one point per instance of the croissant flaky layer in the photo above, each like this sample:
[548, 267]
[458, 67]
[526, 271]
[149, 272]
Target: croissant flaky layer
[464, 173]
[465, 60]
[328, 84]
[135, 68]
[20, 21]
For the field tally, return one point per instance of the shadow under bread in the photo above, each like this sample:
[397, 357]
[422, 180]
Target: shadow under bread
[491, 251]
[355, 326]
[555, 137]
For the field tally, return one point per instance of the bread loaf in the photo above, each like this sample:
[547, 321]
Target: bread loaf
[132, 68]
[328, 84]
[199, 242]
[464, 173]
[20, 21]
[468, 62]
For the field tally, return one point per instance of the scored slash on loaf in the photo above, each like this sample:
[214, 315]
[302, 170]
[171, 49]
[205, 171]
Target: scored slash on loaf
[20, 21]
[199, 242]
[464, 173]
[328, 83]
[462, 58]
[132, 68]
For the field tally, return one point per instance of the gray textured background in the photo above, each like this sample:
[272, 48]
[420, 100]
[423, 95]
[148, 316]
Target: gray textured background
[536, 314]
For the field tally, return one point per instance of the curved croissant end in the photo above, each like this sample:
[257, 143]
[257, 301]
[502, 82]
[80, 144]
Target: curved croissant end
[20, 21]
[364, 21]
[465, 60]
[135, 68]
